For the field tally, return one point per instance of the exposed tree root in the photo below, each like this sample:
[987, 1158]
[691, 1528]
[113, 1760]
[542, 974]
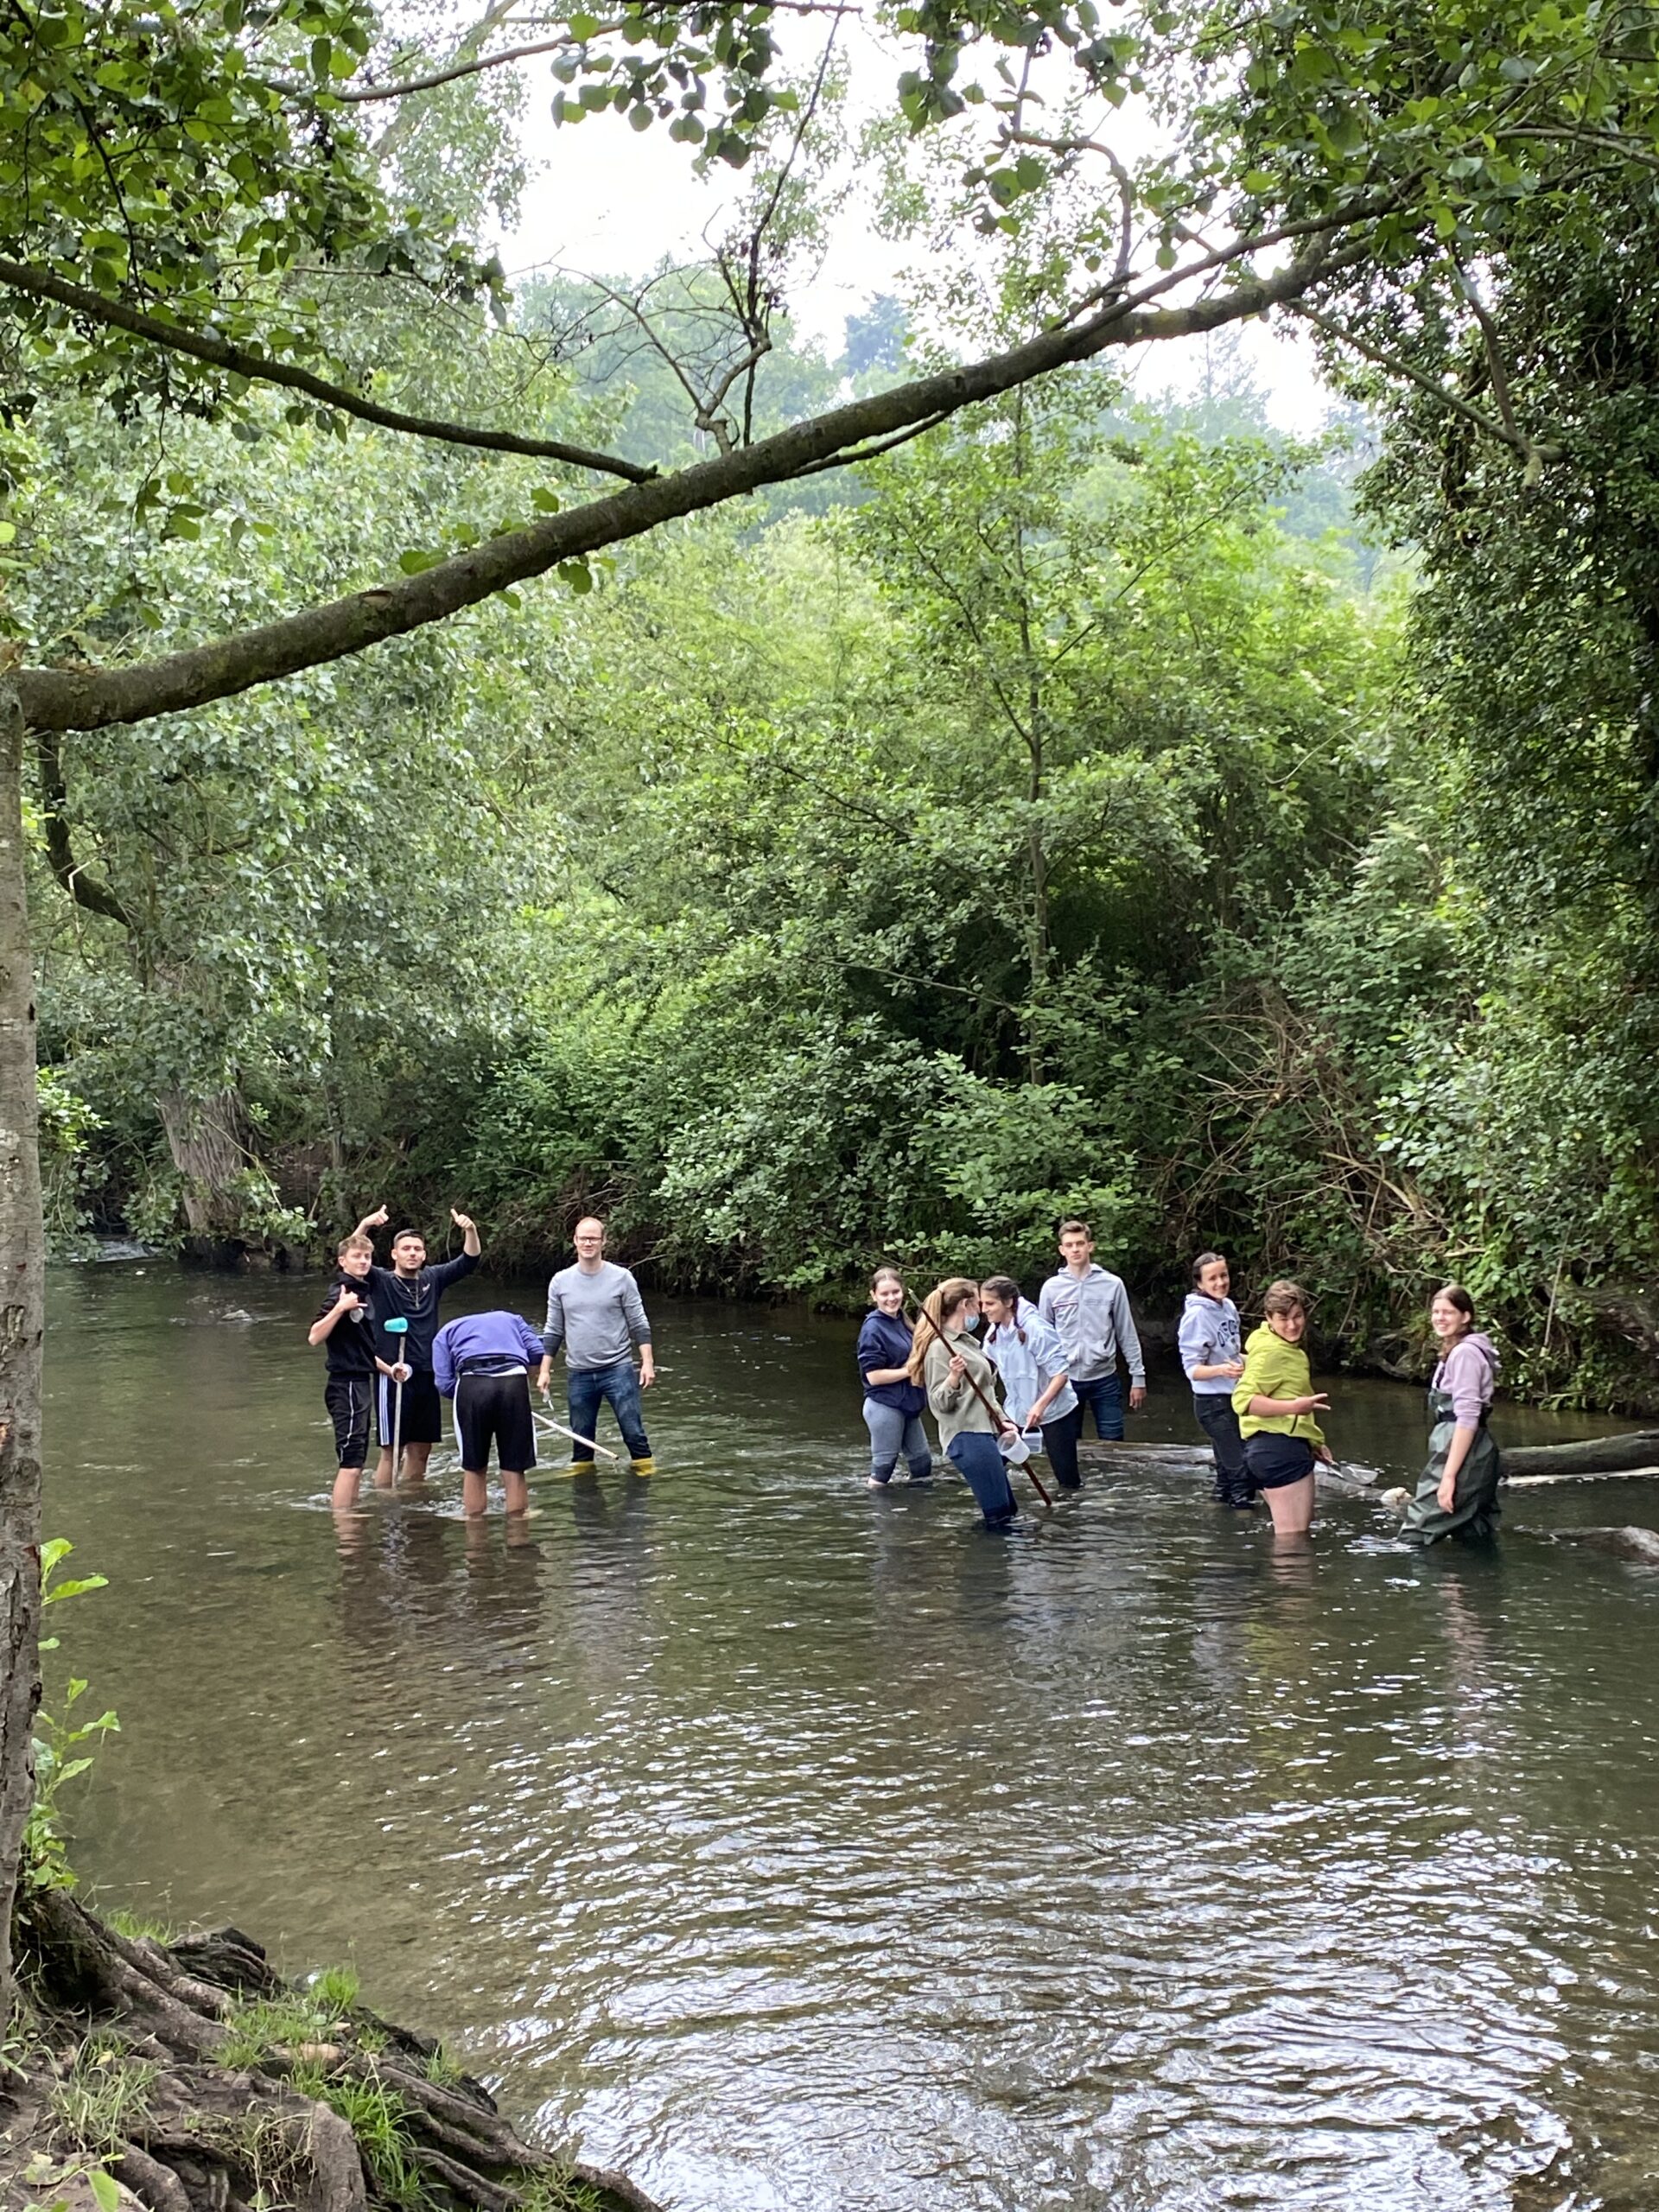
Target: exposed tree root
[198, 2080]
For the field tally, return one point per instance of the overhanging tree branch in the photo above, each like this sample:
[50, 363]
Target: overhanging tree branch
[86, 890]
[236, 360]
[92, 698]
[473, 65]
[356, 95]
[1531, 451]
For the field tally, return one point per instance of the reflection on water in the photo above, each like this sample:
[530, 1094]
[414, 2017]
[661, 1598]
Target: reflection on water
[794, 1847]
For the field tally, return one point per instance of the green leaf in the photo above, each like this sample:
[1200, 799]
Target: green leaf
[104, 2188]
[76, 1589]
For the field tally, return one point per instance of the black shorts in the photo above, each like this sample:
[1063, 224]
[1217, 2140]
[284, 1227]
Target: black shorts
[495, 1409]
[423, 1415]
[348, 1398]
[1277, 1460]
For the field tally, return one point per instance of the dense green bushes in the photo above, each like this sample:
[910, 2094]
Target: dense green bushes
[1050, 828]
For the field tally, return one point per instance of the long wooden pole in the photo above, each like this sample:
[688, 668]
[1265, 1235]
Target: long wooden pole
[997, 1413]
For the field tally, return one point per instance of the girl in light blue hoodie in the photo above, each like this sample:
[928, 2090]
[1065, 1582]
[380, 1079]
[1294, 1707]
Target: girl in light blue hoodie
[1212, 1352]
[1028, 1357]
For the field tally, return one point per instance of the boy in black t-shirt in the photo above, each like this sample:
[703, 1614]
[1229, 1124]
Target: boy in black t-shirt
[344, 1323]
[409, 1289]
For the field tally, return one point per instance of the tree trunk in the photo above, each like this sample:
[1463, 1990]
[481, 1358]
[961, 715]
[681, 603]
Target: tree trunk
[1596, 1455]
[22, 1286]
[207, 1140]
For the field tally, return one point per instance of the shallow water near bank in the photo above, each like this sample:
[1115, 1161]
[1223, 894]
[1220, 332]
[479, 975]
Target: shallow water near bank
[792, 1848]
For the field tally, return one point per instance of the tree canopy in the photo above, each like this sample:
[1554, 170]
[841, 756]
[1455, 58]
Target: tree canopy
[194, 204]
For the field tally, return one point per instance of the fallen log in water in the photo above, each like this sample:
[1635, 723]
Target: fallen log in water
[1629, 1542]
[1195, 1459]
[1636, 1451]
[1634, 1454]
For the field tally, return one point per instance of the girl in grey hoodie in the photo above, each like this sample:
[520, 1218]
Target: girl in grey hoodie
[1457, 1492]
[1212, 1352]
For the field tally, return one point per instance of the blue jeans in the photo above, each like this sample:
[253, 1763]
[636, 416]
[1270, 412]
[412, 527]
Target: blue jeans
[892, 1432]
[982, 1466]
[587, 1387]
[1103, 1397]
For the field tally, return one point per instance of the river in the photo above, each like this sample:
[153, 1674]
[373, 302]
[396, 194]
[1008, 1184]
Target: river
[803, 1851]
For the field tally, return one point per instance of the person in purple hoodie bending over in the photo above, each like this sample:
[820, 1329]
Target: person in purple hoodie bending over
[483, 1361]
[1457, 1492]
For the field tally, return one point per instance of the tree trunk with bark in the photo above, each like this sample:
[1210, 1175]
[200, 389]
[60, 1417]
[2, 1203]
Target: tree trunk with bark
[207, 1138]
[21, 1284]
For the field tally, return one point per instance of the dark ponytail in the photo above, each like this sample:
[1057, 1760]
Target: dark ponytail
[1006, 1291]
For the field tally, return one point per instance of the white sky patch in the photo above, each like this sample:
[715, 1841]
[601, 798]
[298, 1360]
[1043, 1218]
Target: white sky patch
[606, 200]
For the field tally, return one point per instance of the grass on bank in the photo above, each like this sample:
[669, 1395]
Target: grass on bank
[95, 2104]
[378, 2118]
[100, 2098]
[138, 1927]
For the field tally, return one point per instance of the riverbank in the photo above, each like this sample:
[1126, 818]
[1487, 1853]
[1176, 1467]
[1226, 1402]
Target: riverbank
[183, 2073]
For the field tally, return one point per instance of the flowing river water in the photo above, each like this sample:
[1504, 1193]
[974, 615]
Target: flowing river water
[798, 1849]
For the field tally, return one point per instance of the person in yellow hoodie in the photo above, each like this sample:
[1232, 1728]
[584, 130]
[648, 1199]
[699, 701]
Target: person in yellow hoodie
[1277, 1404]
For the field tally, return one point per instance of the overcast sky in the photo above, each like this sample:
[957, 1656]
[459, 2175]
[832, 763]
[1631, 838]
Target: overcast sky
[605, 198]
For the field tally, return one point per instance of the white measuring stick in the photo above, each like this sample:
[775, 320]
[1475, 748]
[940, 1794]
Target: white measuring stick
[575, 1439]
[398, 1328]
[1606, 1475]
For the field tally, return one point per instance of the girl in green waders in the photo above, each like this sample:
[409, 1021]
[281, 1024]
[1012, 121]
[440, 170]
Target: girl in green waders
[1457, 1492]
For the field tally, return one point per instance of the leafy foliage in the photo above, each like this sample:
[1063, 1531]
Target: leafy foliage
[59, 1757]
[1067, 810]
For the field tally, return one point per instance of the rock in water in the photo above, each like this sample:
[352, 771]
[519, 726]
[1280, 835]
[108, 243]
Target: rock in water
[1629, 1542]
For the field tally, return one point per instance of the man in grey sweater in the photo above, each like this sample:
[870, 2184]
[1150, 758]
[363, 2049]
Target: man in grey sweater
[595, 1311]
[1090, 1309]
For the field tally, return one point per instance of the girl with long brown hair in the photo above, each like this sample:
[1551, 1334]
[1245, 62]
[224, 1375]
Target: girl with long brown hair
[1457, 1491]
[893, 1403]
[948, 1365]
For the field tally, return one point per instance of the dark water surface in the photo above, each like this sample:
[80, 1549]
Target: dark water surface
[795, 1848]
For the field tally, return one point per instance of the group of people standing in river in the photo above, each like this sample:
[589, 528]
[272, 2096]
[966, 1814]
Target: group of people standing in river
[387, 1355]
[1021, 1384]
[1025, 1384]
